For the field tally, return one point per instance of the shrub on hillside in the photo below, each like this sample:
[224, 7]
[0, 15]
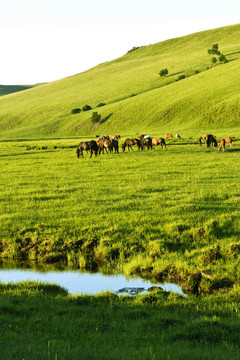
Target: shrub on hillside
[101, 104]
[133, 49]
[181, 77]
[87, 107]
[76, 111]
[96, 118]
[222, 58]
[163, 72]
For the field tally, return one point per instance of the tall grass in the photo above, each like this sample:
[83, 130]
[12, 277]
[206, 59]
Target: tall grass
[171, 208]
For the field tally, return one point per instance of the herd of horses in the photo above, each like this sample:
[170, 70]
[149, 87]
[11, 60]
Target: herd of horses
[211, 139]
[111, 143]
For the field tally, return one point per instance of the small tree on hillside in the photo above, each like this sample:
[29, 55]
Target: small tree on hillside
[87, 107]
[163, 72]
[96, 118]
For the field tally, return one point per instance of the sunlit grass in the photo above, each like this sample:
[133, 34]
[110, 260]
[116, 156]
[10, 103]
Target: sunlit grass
[168, 207]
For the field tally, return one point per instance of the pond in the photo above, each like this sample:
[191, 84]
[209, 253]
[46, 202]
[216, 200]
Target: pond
[77, 282]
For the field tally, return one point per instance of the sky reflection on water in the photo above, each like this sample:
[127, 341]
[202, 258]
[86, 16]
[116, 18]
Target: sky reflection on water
[77, 282]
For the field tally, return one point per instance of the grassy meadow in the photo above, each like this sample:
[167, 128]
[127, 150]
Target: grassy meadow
[165, 215]
[43, 322]
[157, 213]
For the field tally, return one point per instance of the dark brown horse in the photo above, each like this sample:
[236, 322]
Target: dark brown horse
[87, 146]
[210, 139]
[131, 142]
[146, 142]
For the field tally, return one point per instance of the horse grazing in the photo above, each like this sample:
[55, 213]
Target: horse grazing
[200, 138]
[228, 140]
[104, 145]
[87, 146]
[116, 137]
[159, 141]
[222, 145]
[178, 136]
[146, 142]
[168, 136]
[211, 139]
[131, 142]
[103, 137]
[115, 145]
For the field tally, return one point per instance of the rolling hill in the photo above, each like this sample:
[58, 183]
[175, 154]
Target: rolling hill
[9, 89]
[137, 98]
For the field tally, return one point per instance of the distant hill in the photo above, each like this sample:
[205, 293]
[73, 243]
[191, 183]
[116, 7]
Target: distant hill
[8, 89]
[197, 93]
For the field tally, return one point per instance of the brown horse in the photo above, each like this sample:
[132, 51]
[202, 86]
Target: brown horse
[222, 145]
[228, 140]
[116, 137]
[168, 136]
[200, 138]
[104, 145]
[159, 141]
[131, 142]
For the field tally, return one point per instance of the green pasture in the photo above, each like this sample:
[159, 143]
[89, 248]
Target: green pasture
[166, 215]
[155, 213]
[43, 322]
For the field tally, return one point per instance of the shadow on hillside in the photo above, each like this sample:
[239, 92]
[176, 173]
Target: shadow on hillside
[180, 72]
[233, 53]
[101, 122]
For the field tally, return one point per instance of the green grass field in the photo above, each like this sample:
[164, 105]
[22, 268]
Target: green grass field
[163, 215]
[142, 212]
[42, 322]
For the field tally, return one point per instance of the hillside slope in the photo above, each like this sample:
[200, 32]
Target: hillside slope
[137, 99]
[9, 89]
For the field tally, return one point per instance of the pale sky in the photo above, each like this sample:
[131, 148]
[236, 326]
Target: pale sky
[47, 40]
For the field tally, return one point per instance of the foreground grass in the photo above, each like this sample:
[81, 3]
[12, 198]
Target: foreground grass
[155, 213]
[43, 322]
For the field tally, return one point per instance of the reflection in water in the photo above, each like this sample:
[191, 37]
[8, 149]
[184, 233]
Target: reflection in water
[76, 282]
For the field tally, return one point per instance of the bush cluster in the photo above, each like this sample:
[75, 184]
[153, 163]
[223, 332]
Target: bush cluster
[78, 110]
[215, 51]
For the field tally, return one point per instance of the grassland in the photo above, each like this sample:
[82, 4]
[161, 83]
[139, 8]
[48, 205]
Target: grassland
[43, 322]
[160, 214]
[157, 213]
[8, 89]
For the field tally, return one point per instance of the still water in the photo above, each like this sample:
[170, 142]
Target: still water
[77, 282]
